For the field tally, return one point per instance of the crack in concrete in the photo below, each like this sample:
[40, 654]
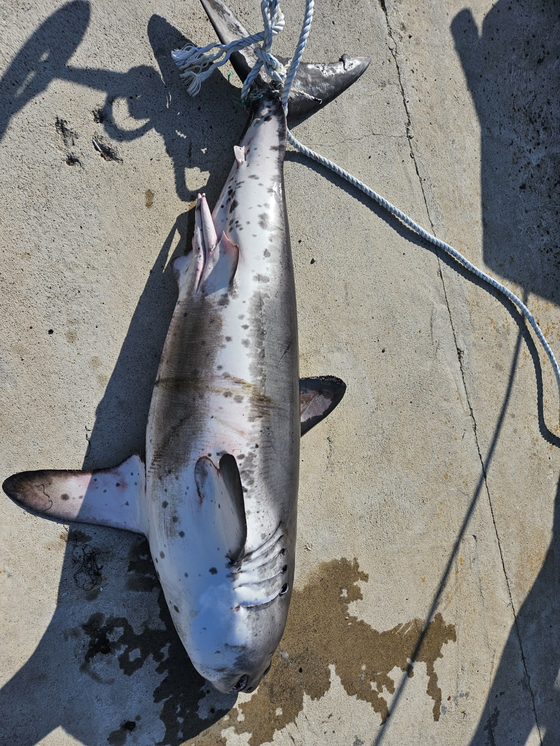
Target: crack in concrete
[460, 354]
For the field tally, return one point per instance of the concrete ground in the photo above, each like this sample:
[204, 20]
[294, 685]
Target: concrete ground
[428, 499]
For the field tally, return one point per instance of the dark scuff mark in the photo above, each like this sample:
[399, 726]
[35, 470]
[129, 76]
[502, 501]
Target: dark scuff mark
[87, 574]
[321, 632]
[69, 137]
[491, 725]
[118, 737]
[99, 115]
[105, 151]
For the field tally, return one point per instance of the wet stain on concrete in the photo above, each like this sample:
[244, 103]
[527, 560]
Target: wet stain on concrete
[181, 688]
[118, 737]
[321, 632]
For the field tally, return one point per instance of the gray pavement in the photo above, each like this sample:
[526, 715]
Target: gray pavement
[428, 499]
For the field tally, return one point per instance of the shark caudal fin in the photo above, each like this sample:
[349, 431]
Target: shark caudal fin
[108, 497]
[315, 84]
[318, 396]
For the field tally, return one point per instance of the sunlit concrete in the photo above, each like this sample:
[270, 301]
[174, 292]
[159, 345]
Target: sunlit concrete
[427, 499]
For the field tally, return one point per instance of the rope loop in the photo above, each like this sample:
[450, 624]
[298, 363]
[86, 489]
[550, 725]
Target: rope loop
[198, 63]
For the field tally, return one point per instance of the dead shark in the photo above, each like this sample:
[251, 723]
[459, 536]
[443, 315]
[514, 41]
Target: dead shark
[217, 494]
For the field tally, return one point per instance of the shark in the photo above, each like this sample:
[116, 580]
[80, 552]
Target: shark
[216, 495]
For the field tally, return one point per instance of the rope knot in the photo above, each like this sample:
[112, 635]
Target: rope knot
[198, 63]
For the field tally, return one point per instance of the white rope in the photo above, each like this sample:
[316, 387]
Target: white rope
[303, 36]
[198, 63]
[435, 241]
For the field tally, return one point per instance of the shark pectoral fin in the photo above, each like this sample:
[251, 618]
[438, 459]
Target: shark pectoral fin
[220, 267]
[108, 497]
[318, 397]
[221, 498]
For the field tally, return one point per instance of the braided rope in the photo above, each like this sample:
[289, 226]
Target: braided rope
[463, 261]
[304, 35]
[198, 63]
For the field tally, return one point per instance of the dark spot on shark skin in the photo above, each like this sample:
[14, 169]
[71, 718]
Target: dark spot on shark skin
[253, 176]
[213, 571]
[65, 497]
[245, 342]
[266, 253]
[238, 398]
[182, 534]
[175, 519]
[321, 632]
[264, 220]
[228, 339]
[162, 554]
[164, 504]
[176, 608]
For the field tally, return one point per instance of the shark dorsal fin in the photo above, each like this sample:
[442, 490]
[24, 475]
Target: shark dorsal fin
[221, 499]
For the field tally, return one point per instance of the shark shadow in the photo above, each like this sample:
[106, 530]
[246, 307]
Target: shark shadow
[111, 639]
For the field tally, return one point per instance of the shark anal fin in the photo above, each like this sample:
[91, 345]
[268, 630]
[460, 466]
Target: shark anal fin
[108, 497]
[221, 501]
[318, 397]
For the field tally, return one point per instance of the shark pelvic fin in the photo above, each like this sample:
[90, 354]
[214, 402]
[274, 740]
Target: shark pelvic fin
[314, 85]
[221, 501]
[318, 397]
[108, 497]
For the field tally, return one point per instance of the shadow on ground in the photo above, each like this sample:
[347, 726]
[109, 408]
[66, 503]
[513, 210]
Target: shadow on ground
[512, 67]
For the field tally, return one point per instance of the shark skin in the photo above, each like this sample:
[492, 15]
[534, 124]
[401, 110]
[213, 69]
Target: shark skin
[217, 496]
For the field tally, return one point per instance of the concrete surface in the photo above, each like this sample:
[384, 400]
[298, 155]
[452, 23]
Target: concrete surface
[428, 498]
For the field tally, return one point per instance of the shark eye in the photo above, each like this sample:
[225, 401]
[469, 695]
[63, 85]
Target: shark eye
[241, 684]
[284, 589]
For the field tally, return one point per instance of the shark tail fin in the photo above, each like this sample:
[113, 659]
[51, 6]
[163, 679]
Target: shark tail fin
[315, 85]
[108, 497]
